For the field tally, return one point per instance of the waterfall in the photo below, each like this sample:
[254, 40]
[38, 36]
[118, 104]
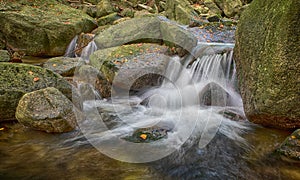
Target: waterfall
[70, 52]
[88, 50]
[192, 102]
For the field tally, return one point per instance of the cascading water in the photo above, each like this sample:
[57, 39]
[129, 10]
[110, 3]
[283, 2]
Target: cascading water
[86, 51]
[70, 52]
[190, 104]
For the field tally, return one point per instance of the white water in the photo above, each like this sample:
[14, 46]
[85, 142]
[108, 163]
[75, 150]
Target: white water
[191, 102]
[88, 50]
[70, 52]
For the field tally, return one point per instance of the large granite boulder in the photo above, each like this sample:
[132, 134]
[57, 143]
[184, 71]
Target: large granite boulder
[42, 28]
[145, 29]
[46, 110]
[267, 58]
[18, 79]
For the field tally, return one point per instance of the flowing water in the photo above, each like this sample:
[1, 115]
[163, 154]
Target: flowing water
[208, 136]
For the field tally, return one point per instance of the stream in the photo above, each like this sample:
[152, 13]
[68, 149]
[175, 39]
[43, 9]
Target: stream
[199, 109]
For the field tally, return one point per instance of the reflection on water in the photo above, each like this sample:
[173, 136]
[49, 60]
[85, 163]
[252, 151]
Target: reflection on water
[25, 153]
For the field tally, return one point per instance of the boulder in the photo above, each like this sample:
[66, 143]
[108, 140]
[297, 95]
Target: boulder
[180, 11]
[64, 66]
[145, 29]
[267, 59]
[131, 67]
[42, 29]
[108, 19]
[87, 75]
[104, 7]
[229, 7]
[290, 148]
[18, 79]
[4, 56]
[46, 110]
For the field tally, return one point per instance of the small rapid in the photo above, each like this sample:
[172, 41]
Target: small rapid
[191, 104]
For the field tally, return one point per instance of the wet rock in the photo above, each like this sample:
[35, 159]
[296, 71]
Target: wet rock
[43, 28]
[83, 40]
[145, 29]
[180, 11]
[64, 66]
[267, 60]
[18, 79]
[4, 56]
[290, 148]
[147, 135]
[88, 75]
[133, 66]
[46, 110]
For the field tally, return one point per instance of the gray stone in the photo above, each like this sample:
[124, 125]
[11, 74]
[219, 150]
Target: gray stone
[46, 110]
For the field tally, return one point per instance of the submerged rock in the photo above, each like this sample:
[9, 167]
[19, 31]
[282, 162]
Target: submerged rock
[42, 29]
[64, 66]
[18, 79]
[290, 148]
[46, 110]
[147, 135]
[267, 58]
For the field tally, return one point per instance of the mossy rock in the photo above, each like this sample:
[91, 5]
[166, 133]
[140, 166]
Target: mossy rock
[42, 29]
[46, 110]
[134, 66]
[180, 11]
[267, 58]
[18, 79]
[64, 66]
[146, 29]
[4, 56]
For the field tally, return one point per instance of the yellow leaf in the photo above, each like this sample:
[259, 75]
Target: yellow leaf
[143, 136]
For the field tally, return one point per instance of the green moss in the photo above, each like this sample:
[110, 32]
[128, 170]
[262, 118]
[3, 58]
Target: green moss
[267, 53]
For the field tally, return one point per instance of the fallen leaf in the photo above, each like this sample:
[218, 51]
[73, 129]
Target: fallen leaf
[30, 72]
[36, 79]
[293, 137]
[1, 129]
[54, 65]
[143, 136]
